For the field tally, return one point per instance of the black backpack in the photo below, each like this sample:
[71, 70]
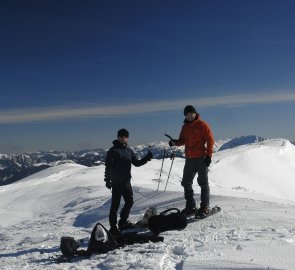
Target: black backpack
[131, 238]
[102, 242]
[99, 244]
[68, 246]
[166, 222]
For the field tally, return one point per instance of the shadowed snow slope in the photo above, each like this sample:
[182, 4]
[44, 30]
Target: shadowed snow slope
[241, 141]
[254, 230]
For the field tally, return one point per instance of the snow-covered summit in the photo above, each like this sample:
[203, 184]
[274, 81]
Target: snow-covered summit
[241, 141]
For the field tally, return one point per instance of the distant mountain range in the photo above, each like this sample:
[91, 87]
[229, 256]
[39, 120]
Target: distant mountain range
[16, 167]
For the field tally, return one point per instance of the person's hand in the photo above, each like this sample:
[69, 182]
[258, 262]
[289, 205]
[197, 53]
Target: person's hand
[109, 184]
[172, 143]
[149, 156]
[207, 161]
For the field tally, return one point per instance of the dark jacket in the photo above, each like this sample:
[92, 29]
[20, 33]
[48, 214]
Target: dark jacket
[118, 163]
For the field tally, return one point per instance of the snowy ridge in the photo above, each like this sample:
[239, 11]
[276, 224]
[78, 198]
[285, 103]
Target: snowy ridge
[69, 199]
[241, 141]
[16, 167]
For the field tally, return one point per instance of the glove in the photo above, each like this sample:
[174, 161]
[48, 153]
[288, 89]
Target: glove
[172, 143]
[149, 156]
[207, 161]
[109, 184]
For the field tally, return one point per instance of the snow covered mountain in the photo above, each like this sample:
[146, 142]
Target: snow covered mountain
[253, 184]
[16, 167]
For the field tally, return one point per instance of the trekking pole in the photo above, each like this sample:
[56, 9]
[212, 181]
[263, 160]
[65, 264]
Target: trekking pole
[172, 158]
[164, 153]
[168, 136]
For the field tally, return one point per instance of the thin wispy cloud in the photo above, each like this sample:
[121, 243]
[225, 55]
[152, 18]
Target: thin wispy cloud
[108, 111]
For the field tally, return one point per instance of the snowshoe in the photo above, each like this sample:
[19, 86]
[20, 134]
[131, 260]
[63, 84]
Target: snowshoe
[206, 212]
[189, 211]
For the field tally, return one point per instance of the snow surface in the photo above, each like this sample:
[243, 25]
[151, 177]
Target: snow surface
[253, 184]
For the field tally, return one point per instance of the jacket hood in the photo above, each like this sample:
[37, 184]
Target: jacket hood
[116, 143]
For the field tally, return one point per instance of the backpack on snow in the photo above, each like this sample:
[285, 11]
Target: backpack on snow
[68, 246]
[131, 238]
[100, 242]
[166, 222]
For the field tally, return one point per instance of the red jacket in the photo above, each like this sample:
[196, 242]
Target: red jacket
[197, 138]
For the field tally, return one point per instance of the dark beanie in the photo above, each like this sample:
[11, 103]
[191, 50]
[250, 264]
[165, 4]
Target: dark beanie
[189, 109]
[123, 132]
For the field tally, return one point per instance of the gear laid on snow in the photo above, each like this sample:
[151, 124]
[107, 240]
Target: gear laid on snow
[114, 231]
[170, 219]
[69, 246]
[125, 225]
[102, 241]
[149, 212]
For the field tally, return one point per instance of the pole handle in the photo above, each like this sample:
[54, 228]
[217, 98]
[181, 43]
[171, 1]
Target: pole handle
[168, 136]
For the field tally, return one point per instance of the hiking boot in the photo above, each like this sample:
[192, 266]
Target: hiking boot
[188, 211]
[125, 225]
[114, 232]
[202, 212]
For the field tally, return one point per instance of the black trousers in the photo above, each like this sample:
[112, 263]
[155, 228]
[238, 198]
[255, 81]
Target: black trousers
[118, 191]
[191, 168]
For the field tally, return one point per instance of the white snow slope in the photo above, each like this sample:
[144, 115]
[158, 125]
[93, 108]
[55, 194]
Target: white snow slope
[253, 184]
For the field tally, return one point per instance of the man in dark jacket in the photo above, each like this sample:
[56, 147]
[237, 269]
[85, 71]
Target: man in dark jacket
[118, 176]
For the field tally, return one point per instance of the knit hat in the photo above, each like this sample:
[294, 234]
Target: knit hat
[189, 109]
[123, 132]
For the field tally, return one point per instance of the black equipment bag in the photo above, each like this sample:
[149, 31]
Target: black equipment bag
[68, 246]
[101, 245]
[166, 222]
[132, 238]
[100, 242]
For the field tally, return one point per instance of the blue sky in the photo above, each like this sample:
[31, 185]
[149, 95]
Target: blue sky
[74, 72]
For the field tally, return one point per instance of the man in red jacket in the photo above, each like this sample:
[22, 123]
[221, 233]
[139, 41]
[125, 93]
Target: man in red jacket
[198, 140]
